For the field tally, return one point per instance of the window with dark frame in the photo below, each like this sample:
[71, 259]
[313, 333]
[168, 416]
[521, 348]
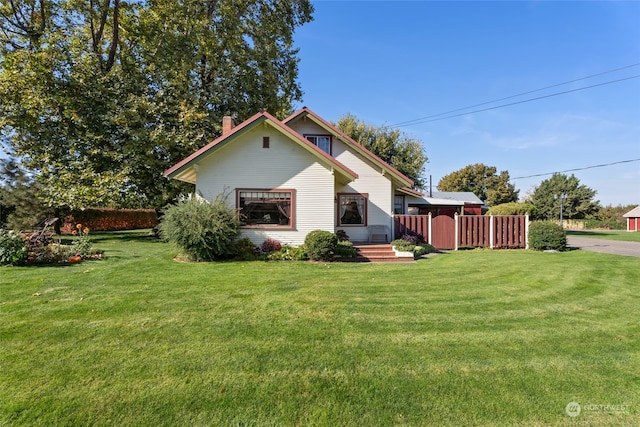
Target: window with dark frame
[323, 142]
[352, 209]
[266, 208]
[265, 142]
[398, 205]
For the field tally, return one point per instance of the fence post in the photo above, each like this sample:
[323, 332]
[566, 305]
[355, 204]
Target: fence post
[455, 217]
[526, 231]
[491, 231]
[430, 230]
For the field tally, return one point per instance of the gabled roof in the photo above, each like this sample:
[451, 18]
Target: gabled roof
[386, 168]
[633, 213]
[186, 170]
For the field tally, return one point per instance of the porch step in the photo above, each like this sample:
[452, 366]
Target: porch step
[377, 253]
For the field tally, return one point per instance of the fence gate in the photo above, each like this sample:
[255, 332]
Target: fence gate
[443, 229]
[445, 232]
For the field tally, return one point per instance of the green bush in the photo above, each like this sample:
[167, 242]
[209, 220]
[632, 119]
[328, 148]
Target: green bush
[424, 249]
[547, 235]
[288, 253]
[514, 208]
[320, 245]
[203, 230]
[13, 248]
[403, 245]
[246, 250]
[345, 249]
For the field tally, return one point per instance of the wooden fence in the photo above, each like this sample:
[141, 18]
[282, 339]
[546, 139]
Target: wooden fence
[444, 232]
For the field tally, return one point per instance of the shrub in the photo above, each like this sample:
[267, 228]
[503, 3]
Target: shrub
[342, 235]
[246, 250]
[13, 248]
[320, 245]
[288, 253]
[413, 237]
[204, 231]
[424, 249]
[270, 245]
[403, 245]
[514, 208]
[345, 249]
[547, 235]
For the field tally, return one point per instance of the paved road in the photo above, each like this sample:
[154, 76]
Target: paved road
[615, 247]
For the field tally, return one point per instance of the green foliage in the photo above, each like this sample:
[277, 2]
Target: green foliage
[394, 147]
[403, 245]
[514, 208]
[82, 244]
[345, 249]
[288, 253]
[483, 181]
[246, 250]
[101, 97]
[609, 217]
[204, 231]
[20, 205]
[547, 235]
[424, 249]
[320, 245]
[13, 248]
[579, 203]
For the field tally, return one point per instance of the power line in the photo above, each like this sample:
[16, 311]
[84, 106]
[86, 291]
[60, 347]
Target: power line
[521, 102]
[427, 118]
[577, 169]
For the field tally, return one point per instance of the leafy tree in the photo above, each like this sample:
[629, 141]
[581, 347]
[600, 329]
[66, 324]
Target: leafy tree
[578, 204]
[394, 147]
[99, 98]
[20, 204]
[483, 181]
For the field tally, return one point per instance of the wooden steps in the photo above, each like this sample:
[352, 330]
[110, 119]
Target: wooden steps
[377, 253]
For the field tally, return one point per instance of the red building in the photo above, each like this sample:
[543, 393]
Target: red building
[633, 219]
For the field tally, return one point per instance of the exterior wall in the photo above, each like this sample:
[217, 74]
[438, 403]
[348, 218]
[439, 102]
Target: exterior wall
[244, 163]
[370, 181]
[632, 224]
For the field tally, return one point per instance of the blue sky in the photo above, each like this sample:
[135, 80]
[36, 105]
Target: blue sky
[388, 62]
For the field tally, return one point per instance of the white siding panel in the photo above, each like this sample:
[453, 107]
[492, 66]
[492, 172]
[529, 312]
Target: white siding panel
[371, 181]
[245, 164]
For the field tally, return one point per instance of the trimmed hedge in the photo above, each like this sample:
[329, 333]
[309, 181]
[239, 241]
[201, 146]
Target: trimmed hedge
[105, 219]
[320, 245]
[547, 235]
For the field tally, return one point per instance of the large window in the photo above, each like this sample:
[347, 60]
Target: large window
[353, 209]
[266, 208]
[323, 142]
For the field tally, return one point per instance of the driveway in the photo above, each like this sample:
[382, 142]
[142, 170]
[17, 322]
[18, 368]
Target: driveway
[615, 247]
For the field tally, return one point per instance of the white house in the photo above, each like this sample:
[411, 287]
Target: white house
[290, 177]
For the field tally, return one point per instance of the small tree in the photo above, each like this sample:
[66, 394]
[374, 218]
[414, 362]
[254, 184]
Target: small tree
[203, 230]
[578, 204]
[514, 208]
[483, 181]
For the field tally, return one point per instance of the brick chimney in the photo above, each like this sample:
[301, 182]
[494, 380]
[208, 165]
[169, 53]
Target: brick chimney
[227, 124]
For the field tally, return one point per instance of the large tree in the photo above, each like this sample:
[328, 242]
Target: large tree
[483, 181]
[405, 154]
[100, 97]
[578, 204]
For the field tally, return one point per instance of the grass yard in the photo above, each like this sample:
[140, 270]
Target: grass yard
[468, 338]
[626, 236]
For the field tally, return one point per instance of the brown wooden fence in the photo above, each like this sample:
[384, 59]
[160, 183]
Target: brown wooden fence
[445, 232]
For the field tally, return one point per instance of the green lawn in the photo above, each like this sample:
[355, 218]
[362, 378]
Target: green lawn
[467, 338]
[611, 235]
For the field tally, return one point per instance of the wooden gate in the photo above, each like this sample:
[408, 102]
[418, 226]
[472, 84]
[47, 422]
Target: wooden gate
[443, 229]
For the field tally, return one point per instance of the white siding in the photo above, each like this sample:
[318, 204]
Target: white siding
[370, 181]
[245, 164]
